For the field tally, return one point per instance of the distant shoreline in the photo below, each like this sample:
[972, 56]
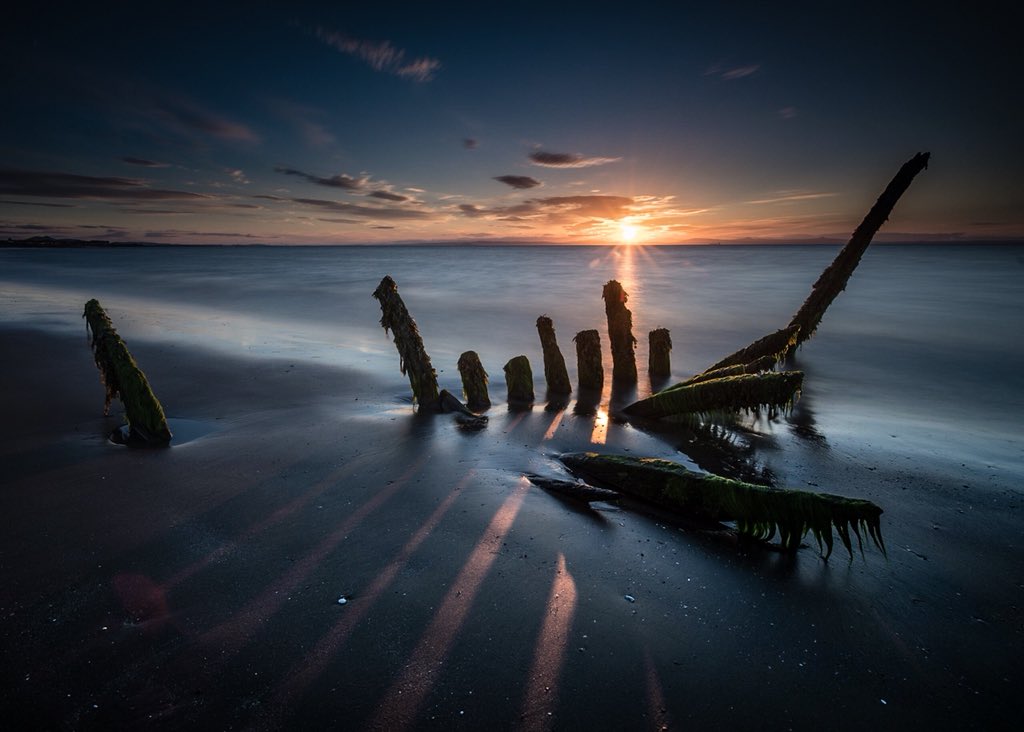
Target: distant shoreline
[48, 242]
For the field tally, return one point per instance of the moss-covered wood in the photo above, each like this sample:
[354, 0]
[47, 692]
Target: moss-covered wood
[620, 333]
[754, 392]
[573, 489]
[759, 511]
[659, 361]
[833, 280]
[519, 378]
[474, 381]
[122, 378]
[589, 367]
[555, 373]
[774, 346]
[765, 363]
[413, 358]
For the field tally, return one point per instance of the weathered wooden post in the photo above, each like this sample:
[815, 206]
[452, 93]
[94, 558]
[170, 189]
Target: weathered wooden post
[555, 373]
[413, 358]
[588, 359]
[620, 332]
[123, 378]
[659, 364]
[519, 378]
[474, 381]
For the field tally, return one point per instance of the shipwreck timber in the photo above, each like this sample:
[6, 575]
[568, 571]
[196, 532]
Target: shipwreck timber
[759, 511]
[589, 367]
[122, 378]
[519, 379]
[555, 373]
[659, 363]
[474, 381]
[413, 358]
[620, 332]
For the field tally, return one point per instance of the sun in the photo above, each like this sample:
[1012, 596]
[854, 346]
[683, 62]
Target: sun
[628, 232]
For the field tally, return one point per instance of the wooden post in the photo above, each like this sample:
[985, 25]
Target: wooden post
[620, 332]
[588, 359]
[519, 377]
[123, 378]
[555, 373]
[413, 358]
[659, 363]
[474, 381]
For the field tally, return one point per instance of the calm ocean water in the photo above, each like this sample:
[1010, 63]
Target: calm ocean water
[925, 344]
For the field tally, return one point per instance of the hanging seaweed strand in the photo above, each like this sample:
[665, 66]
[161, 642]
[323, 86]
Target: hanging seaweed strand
[122, 378]
[759, 511]
[413, 358]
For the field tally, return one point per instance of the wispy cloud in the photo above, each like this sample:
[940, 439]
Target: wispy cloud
[345, 182]
[730, 73]
[388, 196]
[470, 143]
[568, 160]
[69, 185]
[382, 56]
[556, 209]
[39, 203]
[143, 162]
[370, 212]
[520, 182]
[792, 197]
[185, 116]
[788, 112]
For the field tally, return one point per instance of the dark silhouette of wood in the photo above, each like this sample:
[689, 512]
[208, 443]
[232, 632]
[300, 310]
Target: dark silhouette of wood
[589, 368]
[413, 358]
[555, 373]
[620, 332]
[519, 378]
[474, 381]
[659, 363]
[833, 280]
[771, 391]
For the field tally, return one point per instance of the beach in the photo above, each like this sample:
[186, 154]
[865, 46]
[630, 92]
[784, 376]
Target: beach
[202, 584]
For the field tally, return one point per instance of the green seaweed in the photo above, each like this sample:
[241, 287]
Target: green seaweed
[519, 378]
[555, 373]
[773, 346]
[474, 381]
[412, 356]
[729, 394]
[122, 378]
[760, 512]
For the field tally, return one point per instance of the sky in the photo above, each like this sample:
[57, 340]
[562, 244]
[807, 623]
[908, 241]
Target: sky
[590, 123]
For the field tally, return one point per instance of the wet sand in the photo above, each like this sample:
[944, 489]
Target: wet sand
[199, 585]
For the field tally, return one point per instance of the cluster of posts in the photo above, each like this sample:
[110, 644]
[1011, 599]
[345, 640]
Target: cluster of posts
[415, 362]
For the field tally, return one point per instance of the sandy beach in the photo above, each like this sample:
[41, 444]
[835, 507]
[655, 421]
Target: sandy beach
[199, 585]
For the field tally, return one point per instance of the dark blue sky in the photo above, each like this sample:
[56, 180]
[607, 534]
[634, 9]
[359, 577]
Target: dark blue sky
[344, 122]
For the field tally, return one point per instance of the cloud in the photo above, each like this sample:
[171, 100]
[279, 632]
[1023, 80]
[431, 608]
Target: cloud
[39, 203]
[556, 209]
[370, 212]
[184, 115]
[791, 197]
[520, 182]
[788, 112]
[341, 221]
[345, 182]
[382, 56]
[238, 176]
[567, 160]
[143, 162]
[731, 73]
[177, 233]
[69, 185]
[388, 196]
[470, 144]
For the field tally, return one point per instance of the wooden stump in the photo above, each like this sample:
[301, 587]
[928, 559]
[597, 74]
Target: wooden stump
[555, 373]
[474, 381]
[588, 359]
[620, 333]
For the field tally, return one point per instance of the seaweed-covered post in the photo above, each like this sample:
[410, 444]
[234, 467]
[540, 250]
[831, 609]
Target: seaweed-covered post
[555, 372]
[519, 377]
[413, 358]
[659, 363]
[474, 381]
[588, 359]
[123, 378]
[620, 332]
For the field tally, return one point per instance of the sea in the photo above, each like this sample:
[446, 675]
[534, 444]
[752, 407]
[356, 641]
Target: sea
[921, 355]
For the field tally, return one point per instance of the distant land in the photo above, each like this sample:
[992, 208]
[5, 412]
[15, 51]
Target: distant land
[50, 242]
